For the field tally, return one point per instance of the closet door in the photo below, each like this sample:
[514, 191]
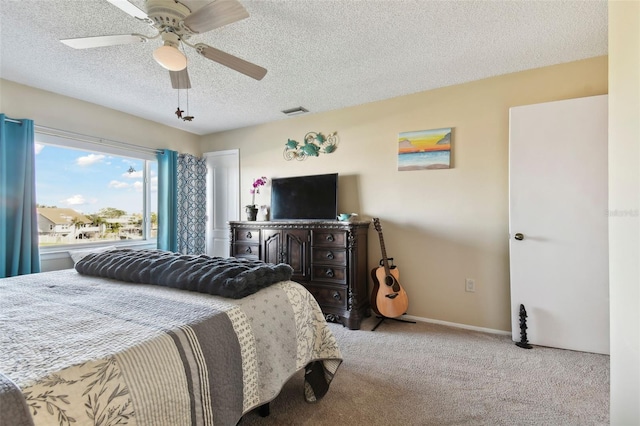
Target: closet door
[223, 198]
[558, 223]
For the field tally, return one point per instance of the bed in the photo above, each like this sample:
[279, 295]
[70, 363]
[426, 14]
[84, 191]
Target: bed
[158, 347]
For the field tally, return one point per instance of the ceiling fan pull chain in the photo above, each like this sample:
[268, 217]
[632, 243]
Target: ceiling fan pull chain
[178, 110]
[188, 117]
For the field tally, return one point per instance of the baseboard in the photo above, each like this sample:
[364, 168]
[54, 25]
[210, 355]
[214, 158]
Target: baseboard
[453, 324]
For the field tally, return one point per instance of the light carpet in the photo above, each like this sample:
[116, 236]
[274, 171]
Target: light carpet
[428, 374]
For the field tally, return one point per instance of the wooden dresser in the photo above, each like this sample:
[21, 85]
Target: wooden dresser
[328, 257]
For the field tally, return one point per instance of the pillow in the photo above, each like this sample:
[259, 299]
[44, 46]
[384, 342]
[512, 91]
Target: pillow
[76, 255]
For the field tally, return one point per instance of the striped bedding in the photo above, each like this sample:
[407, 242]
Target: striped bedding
[90, 350]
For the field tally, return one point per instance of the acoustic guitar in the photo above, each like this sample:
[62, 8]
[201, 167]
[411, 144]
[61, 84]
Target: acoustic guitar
[388, 298]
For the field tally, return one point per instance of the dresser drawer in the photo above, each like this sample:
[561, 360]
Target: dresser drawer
[327, 296]
[329, 273]
[247, 235]
[246, 250]
[329, 238]
[329, 256]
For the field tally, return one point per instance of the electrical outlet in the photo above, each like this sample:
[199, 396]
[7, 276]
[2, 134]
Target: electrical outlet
[470, 285]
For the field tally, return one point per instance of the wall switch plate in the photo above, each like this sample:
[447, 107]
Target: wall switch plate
[470, 285]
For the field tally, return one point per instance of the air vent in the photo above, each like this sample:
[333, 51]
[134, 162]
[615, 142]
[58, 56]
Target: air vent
[295, 111]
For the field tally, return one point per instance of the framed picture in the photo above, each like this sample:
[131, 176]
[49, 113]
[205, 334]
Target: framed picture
[424, 149]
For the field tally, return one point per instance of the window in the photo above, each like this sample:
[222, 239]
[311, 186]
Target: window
[93, 193]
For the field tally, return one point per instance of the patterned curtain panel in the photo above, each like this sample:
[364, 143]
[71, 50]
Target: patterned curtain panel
[192, 207]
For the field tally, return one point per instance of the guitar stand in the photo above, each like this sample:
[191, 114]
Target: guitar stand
[382, 318]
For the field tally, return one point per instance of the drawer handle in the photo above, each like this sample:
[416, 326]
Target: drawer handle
[329, 273]
[248, 250]
[330, 237]
[336, 295]
[249, 235]
[330, 255]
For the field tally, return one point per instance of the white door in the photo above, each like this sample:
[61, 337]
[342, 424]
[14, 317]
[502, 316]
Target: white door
[223, 201]
[558, 203]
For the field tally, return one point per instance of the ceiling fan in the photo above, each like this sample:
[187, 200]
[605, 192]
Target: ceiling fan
[175, 23]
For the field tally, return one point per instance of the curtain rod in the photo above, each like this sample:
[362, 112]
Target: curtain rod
[12, 120]
[95, 140]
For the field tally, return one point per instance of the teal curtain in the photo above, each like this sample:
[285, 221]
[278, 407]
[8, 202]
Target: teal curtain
[167, 200]
[19, 252]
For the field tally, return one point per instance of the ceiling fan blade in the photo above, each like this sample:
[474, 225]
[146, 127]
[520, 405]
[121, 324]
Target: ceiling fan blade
[214, 15]
[130, 9]
[180, 79]
[233, 62]
[101, 41]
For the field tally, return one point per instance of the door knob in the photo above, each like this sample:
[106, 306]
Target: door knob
[519, 237]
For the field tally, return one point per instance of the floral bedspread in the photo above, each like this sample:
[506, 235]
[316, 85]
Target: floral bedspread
[89, 350]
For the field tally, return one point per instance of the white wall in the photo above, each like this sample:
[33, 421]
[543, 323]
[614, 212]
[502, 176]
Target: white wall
[624, 210]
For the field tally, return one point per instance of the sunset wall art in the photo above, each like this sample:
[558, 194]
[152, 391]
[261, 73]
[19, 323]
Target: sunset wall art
[424, 149]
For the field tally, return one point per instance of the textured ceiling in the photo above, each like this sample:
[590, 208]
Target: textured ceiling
[320, 54]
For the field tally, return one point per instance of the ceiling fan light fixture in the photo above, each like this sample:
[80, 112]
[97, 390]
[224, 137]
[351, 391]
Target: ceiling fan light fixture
[170, 57]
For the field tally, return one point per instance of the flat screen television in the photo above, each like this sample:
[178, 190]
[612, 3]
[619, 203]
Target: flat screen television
[305, 197]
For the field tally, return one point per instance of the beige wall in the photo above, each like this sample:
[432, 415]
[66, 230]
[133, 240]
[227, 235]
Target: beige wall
[63, 113]
[441, 226]
[624, 195]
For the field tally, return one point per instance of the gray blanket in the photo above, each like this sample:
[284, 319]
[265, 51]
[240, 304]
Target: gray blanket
[12, 404]
[226, 277]
[95, 351]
